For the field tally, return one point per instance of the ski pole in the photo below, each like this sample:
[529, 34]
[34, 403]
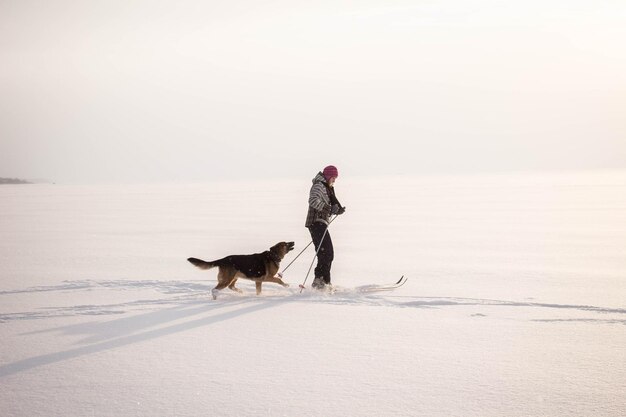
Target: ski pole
[316, 252]
[280, 274]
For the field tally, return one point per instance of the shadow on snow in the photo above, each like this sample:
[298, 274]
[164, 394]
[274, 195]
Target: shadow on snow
[191, 308]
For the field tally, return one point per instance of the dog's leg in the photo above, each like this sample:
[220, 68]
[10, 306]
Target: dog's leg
[258, 287]
[216, 291]
[224, 279]
[277, 281]
[220, 286]
[232, 286]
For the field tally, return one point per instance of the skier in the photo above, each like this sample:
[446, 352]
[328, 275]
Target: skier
[323, 203]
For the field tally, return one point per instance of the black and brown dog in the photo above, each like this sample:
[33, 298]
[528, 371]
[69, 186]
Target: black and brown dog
[258, 267]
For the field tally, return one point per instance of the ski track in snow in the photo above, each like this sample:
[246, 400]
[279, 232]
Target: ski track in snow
[186, 293]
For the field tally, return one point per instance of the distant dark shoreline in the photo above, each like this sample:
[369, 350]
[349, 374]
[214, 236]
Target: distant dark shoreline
[13, 181]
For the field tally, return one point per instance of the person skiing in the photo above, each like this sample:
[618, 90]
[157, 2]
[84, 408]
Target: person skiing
[323, 203]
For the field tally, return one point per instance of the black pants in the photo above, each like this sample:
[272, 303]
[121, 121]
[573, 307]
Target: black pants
[324, 248]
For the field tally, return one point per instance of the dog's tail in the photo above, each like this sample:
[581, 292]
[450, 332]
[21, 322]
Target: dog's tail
[201, 264]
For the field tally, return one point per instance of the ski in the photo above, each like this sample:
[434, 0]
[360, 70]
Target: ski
[383, 287]
[365, 288]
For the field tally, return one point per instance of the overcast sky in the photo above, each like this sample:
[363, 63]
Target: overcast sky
[194, 90]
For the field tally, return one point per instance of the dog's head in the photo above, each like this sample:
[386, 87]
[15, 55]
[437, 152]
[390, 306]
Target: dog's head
[281, 249]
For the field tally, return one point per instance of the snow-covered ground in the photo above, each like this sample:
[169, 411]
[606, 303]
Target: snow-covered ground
[515, 304]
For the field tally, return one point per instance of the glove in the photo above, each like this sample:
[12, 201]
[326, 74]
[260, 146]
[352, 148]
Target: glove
[337, 209]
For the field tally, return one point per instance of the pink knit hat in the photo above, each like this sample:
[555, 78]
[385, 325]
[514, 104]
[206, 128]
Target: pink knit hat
[330, 172]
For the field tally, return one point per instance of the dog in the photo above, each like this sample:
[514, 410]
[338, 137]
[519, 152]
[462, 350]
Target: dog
[258, 267]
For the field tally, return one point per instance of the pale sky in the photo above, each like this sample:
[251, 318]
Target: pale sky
[195, 90]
